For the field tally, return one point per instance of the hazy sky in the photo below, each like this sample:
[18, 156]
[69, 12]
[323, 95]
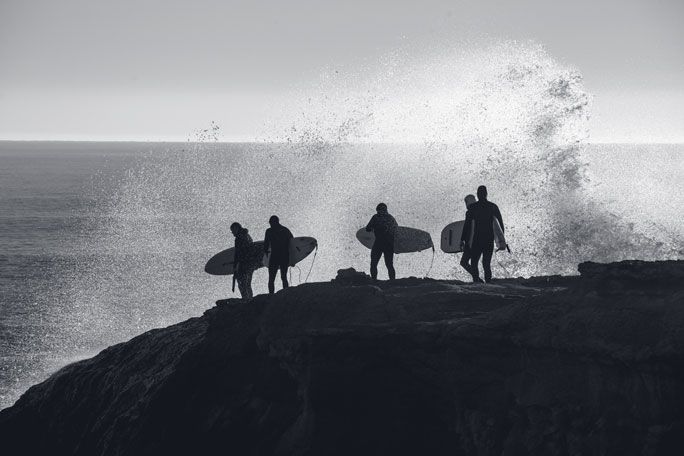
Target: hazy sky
[160, 69]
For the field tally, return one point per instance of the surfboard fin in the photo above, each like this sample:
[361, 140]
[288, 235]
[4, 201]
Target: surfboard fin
[505, 247]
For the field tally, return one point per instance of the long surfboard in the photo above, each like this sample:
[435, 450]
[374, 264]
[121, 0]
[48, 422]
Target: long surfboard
[451, 236]
[222, 262]
[406, 239]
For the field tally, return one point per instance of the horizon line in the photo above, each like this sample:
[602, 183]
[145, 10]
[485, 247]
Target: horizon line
[263, 141]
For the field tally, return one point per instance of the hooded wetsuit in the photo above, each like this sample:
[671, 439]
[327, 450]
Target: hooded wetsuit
[244, 261]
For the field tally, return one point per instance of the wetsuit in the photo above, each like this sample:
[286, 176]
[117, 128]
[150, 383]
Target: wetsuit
[277, 241]
[482, 213]
[245, 262]
[385, 228]
[467, 250]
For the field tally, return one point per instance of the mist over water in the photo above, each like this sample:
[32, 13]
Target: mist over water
[418, 133]
[508, 116]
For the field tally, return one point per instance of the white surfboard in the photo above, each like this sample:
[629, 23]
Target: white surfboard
[499, 238]
[406, 239]
[451, 236]
[222, 262]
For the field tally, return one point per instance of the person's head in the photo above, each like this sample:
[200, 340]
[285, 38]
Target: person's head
[481, 192]
[274, 220]
[235, 228]
[469, 199]
[381, 208]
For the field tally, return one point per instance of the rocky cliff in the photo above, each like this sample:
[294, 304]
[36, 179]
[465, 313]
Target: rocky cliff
[586, 365]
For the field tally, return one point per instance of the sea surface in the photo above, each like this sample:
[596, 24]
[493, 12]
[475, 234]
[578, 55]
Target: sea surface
[103, 241]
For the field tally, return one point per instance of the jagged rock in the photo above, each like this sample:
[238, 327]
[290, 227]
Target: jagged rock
[635, 272]
[351, 276]
[541, 366]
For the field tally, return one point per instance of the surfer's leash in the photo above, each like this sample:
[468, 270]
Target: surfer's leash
[432, 261]
[499, 262]
[312, 264]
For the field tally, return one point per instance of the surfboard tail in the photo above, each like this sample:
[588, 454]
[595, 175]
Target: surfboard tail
[499, 238]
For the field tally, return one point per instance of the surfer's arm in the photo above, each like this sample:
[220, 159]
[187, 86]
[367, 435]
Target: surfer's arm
[393, 226]
[465, 233]
[267, 242]
[239, 253]
[497, 214]
[237, 259]
[371, 224]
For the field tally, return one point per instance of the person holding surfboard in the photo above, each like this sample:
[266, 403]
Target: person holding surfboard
[243, 261]
[480, 219]
[277, 246]
[465, 247]
[384, 226]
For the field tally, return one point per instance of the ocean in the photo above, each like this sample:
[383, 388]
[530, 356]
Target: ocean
[103, 241]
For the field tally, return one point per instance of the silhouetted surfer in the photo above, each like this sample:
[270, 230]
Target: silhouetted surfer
[384, 227]
[244, 261]
[482, 213]
[277, 241]
[465, 246]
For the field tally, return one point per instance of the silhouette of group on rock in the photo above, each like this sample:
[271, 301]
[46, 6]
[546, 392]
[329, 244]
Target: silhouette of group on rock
[247, 259]
[477, 242]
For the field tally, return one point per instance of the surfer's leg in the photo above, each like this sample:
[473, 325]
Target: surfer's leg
[248, 285]
[376, 253]
[389, 262]
[487, 252]
[465, 260]
[474, 259]
[272, 271]
[240, 279]
[283, 274]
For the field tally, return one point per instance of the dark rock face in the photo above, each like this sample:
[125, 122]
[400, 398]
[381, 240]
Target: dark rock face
[545, 366]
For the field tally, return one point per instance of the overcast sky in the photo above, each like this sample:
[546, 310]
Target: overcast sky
[155, 70]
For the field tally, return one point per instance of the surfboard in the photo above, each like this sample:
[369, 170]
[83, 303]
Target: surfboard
[499, 238]
[222, 262]
[406, 239]
[300, 248]
[451, 237]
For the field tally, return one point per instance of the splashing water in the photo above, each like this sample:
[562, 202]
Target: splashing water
[508, 116]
